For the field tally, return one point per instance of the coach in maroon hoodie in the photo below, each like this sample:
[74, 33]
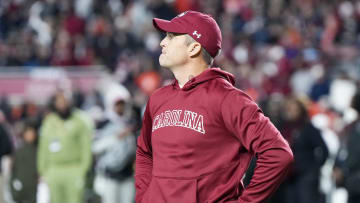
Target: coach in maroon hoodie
[200, 132]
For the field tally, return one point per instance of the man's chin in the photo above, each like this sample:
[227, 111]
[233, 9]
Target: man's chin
[164, 65]
[167, 67]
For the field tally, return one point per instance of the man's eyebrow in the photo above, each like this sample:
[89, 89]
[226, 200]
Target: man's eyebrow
[172, 34]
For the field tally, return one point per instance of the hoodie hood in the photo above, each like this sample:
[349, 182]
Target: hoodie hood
[209, 74]
[114, 93]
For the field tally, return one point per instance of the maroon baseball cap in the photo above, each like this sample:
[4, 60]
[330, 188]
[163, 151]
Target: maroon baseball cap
[201, 27]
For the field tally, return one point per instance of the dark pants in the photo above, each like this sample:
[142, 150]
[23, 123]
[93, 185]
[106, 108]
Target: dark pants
[354, 199]
[306, 189]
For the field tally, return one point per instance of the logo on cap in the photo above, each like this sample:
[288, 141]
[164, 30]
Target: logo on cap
[181, 14]
[196, 34]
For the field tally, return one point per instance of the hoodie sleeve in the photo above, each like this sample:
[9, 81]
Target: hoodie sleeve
[259, 136]
[144, 161]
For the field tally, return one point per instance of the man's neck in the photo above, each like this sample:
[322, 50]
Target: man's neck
[186, 73]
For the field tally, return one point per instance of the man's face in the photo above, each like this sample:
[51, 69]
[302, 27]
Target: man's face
[61, 102]
[174, 50]
[119, 107]
[29, 135]
[292, 110]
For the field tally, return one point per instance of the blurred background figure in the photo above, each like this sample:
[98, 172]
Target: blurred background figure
[347, 167]
[64, 154]
[5, 149]
[310, 152]
[24, 175]
[114, 148]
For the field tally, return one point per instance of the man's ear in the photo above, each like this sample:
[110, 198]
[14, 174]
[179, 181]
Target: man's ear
[194, 49]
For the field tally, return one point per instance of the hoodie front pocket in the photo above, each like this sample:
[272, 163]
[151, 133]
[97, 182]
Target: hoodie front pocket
[172, 190]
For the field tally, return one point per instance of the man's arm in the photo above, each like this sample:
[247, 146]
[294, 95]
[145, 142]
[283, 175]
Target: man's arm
[144, 161]
[259, 136]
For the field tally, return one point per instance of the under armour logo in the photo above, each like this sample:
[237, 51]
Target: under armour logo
[181, 14]
[197, 35]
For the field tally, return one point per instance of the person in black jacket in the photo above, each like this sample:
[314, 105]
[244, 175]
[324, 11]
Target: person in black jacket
[310, 153]
[24, 177]
[347, 166]
[5, 149]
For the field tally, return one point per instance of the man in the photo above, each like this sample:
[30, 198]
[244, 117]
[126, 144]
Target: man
[64, 153]
[200, 132]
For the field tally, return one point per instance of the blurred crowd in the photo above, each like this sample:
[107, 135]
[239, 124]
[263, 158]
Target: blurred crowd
[298, 59]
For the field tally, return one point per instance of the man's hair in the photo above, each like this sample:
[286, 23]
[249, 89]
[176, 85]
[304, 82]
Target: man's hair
[205, 55]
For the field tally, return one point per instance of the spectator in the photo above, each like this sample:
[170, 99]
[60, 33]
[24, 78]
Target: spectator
[5, 149]
[24, 176]
[114, 148]
[347, 168]
[310, 152]
[64, 153]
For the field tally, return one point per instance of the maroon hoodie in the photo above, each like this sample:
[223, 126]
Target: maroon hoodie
[197, 141]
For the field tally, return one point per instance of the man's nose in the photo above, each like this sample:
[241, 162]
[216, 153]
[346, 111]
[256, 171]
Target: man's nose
[162, 43]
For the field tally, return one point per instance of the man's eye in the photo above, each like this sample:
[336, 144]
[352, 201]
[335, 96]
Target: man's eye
[170, 35]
